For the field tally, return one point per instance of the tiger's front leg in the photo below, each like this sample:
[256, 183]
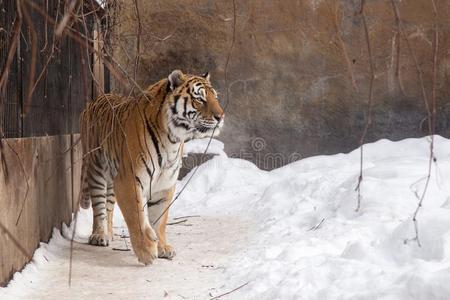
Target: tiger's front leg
[155, 208]
[131, 202]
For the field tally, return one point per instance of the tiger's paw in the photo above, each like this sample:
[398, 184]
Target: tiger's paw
[147, 249]
[148, 254]
[166, 252]
[99, 239]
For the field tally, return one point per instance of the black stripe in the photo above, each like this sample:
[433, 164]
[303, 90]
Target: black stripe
[96, 181]
[171, 140]
[146, 147]
[98, 196]
[156, 202]
[161, 90]
[178, 123]
[110, 201]
[97, 204]
[150, 174]
[97, 172]
[164, 99]
[174, 107]
[185, 106]
[96, 187]
[155, 142]
[139, 180]
[98, 215]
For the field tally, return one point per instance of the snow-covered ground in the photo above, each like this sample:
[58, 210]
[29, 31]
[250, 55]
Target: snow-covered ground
[292, 233]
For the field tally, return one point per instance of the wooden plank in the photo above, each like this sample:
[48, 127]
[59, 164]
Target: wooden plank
[43, 167]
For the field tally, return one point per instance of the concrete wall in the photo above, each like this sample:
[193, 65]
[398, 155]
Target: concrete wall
[291, 92]
[36, 178]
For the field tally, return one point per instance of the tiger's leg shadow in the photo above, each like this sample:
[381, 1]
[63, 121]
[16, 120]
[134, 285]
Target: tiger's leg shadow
[155, 207]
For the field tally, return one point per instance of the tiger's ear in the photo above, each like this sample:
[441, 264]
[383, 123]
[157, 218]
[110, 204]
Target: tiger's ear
[176, 78]
[207, 76]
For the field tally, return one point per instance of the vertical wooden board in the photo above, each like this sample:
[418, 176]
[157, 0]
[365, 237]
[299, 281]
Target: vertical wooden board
[80, 85]
[13, 197]
[33, 121]
[58, 90]
[10, 116]
[53, 183]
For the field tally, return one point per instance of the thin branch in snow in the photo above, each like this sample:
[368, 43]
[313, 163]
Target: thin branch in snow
[369, 105]
[186, 217]
[177, 222]
[120, 249]
[317, 226]
[432, 121]
[227, 293]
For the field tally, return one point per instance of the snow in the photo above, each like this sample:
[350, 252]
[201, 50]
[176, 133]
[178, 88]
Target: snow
[292, 233]
[199, 146]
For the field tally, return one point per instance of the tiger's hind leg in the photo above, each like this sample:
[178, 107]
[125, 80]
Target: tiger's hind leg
[155, 209]
[110, 201]
[97, 190]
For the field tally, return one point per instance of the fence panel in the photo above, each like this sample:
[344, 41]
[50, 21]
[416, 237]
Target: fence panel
[10, 100]
[63, 72]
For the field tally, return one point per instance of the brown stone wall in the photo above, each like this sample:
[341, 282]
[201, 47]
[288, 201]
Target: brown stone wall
[290, 86]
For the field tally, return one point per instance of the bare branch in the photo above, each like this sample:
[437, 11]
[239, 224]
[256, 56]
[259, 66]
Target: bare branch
[229, 292]
[369, 105]
[432, 122]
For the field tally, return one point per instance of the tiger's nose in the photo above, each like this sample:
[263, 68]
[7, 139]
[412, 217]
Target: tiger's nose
[219, 117]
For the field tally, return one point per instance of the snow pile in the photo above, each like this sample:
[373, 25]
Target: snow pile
[309, 242]
[37, 269]
[199, 146]
[312, 244]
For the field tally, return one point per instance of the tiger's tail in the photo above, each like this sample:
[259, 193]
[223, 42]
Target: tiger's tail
[85, 197]
[85, 201]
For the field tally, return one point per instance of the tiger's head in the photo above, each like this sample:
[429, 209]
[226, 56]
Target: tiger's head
[194, 110]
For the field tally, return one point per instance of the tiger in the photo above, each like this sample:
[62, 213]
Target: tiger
[132, 153]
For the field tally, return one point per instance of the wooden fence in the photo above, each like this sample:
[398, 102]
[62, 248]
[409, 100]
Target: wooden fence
[40, 160]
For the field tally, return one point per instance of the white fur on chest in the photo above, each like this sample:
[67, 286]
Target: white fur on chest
[165, 176]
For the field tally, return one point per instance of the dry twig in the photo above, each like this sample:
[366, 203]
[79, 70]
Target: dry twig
[229, 292]
[186, 217]
[369, 105]
[432, 122]
[177, 222]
